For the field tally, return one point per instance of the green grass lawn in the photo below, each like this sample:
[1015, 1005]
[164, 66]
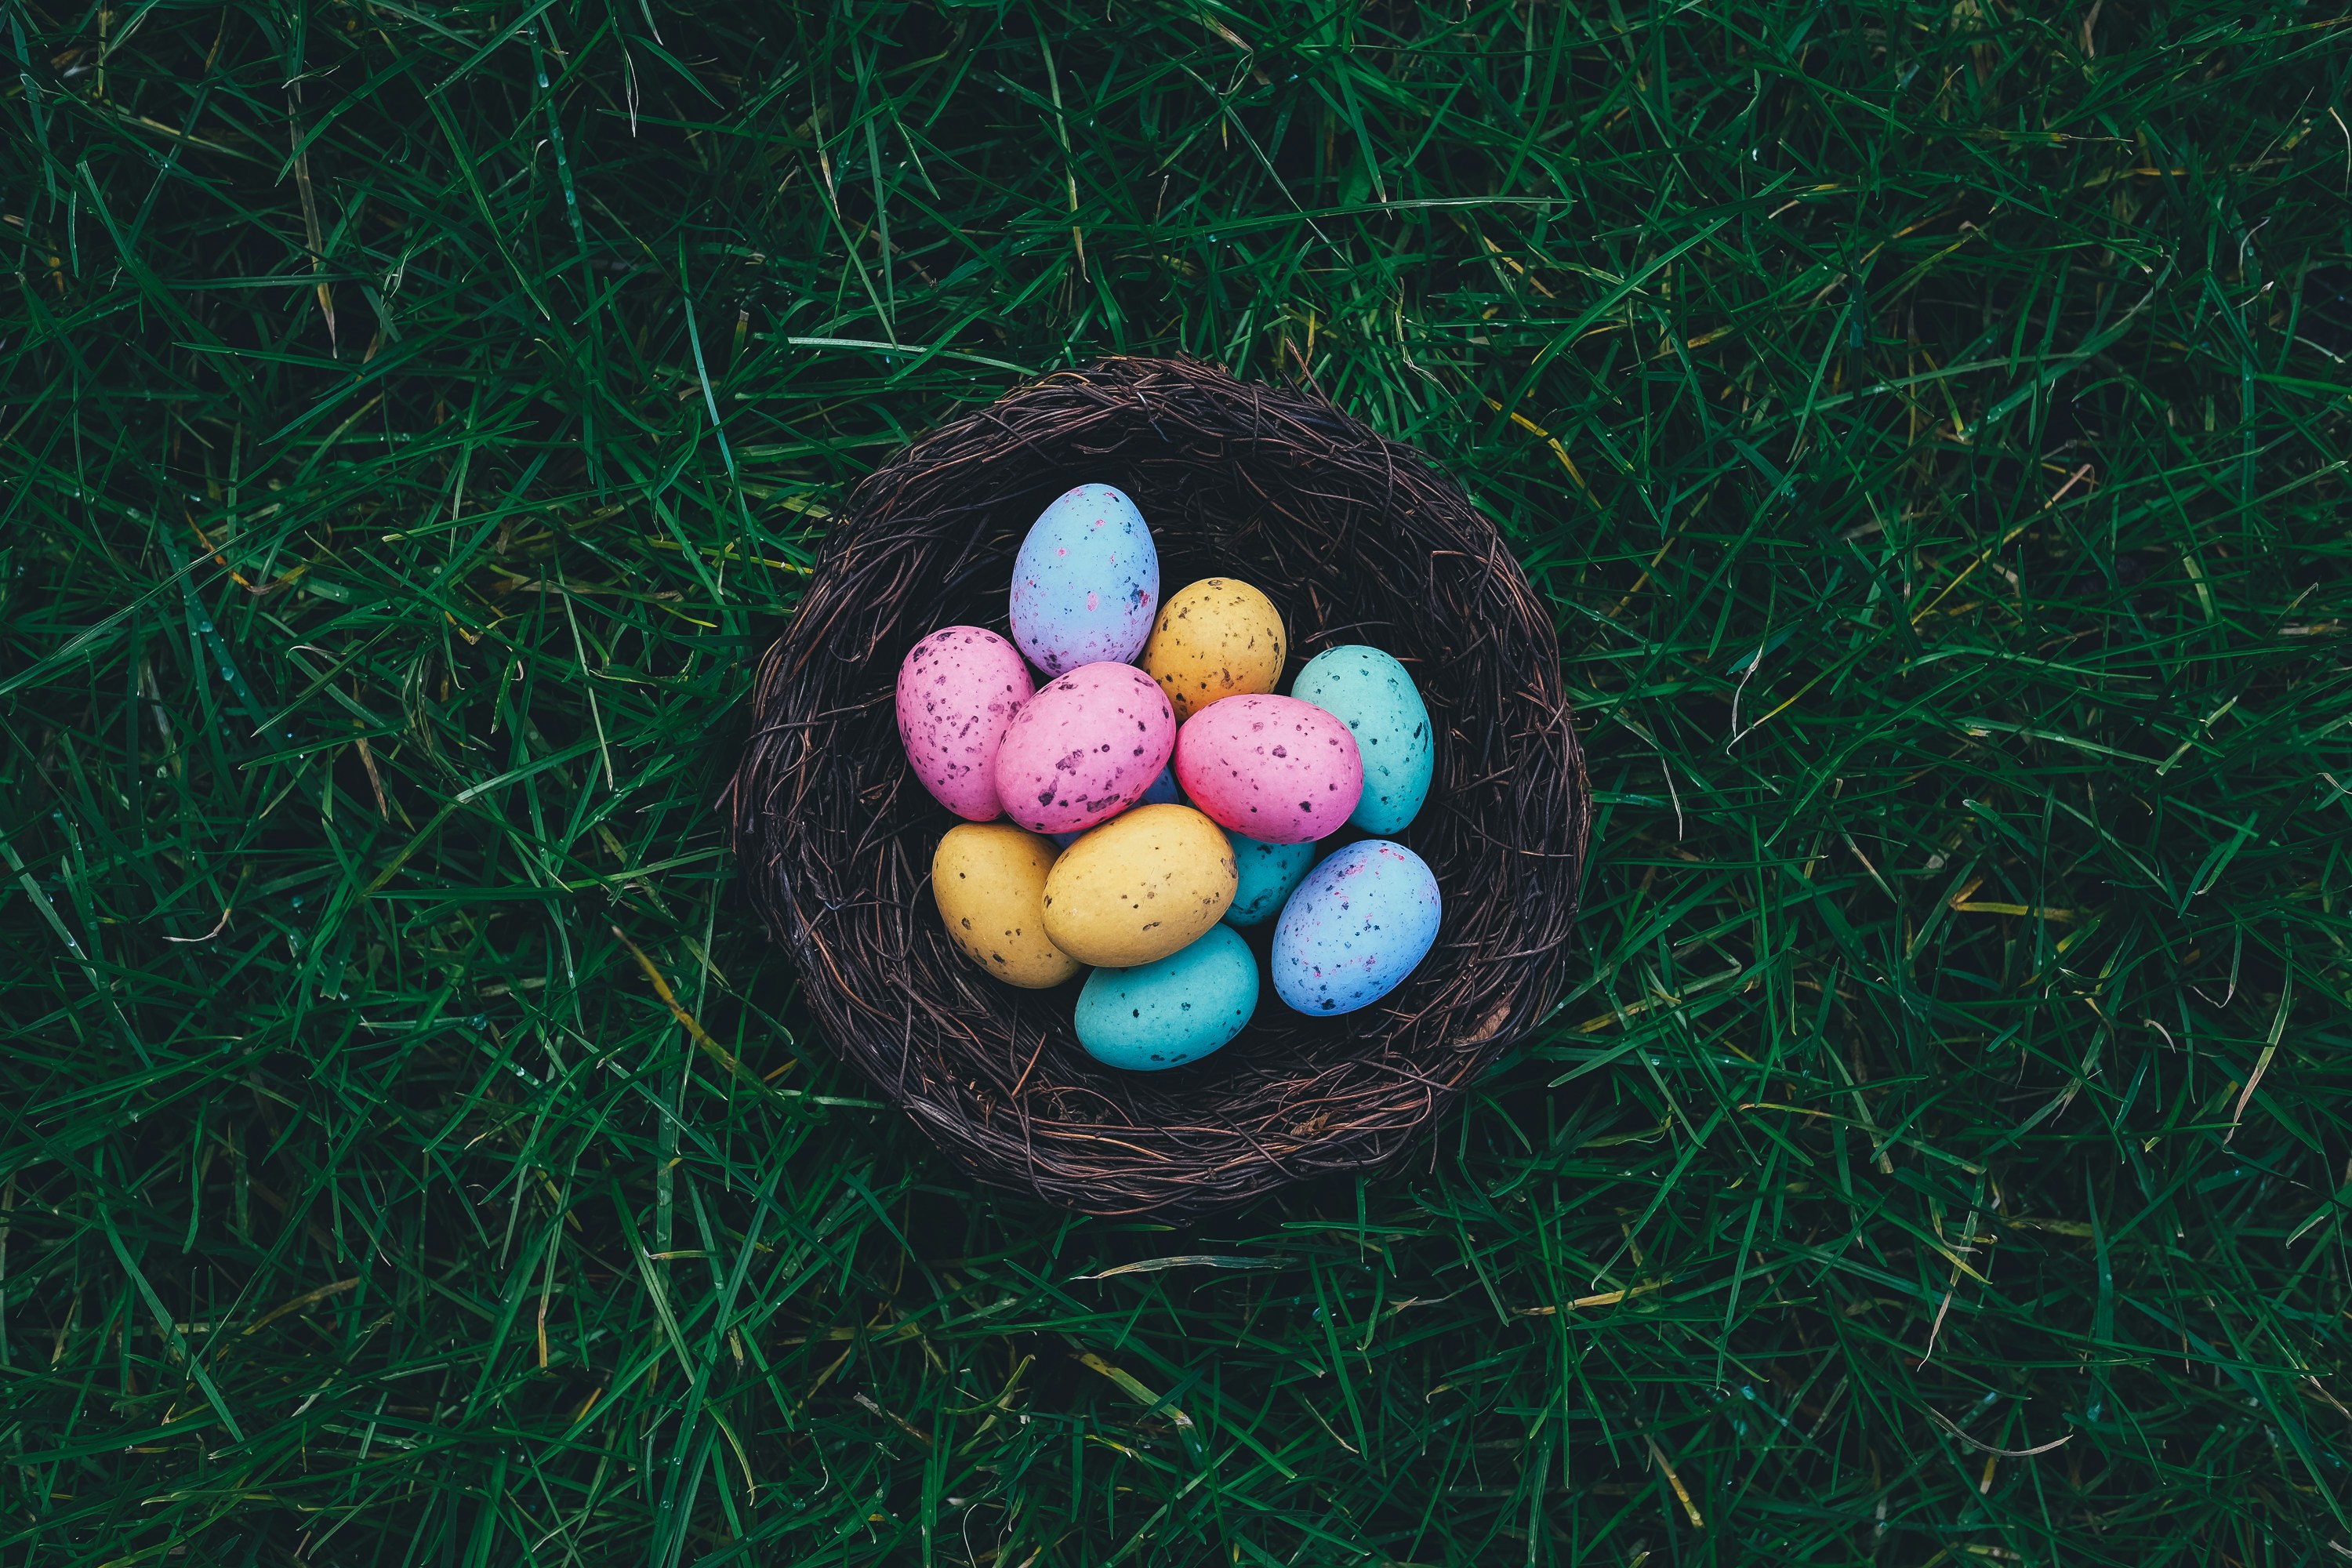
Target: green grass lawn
[1929, 422]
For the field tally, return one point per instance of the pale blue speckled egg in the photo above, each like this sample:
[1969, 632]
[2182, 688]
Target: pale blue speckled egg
[1176, 1010]
[1355, 928]
[1086, 581]
[1370, 691]
[1269, 873]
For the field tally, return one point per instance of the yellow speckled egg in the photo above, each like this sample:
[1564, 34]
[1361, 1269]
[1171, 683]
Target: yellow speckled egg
[1143, 885]
[989, 880]
[1220, 638]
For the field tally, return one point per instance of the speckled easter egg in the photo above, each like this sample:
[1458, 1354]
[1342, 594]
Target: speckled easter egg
[1136, 889]
[1086, 581]
[1355, 928]
[1084, 749]
[1268, 874]
[1164, 791]
[958, 690]
[1275, 768]
[989, 881]
[1369, 690]
[1218, 637]
[1176, 1010]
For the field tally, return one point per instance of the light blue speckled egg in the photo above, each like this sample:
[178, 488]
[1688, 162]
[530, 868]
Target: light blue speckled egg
[1269, 872]
[1163, 792]
[1369, 692]
[1177, 1010]
[1355, 928]
[1086, 581]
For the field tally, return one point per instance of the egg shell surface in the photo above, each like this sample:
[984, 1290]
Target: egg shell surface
[1268, 874]
[1174, 1010]
[1277, 769]
[989, 881]
[1164, 791]
[958, 690]
[1366, 688]
[1355, 928]
[1215, 638]
[1084, 749]
[1139, 887]
[1085, 583]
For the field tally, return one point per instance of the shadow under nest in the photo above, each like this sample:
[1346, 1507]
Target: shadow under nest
[1356, 538]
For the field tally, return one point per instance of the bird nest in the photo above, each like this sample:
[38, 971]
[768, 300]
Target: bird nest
[1357, 539]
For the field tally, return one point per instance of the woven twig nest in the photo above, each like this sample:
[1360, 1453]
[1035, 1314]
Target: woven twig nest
[1357, 539]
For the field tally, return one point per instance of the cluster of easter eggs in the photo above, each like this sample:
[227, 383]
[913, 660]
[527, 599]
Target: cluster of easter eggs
[1157, 796]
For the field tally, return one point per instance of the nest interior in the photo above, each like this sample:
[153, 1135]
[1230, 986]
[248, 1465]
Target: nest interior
[1356, 538]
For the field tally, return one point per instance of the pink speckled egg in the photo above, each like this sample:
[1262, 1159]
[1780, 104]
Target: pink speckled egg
[1275, 768]
[1085, 747]
[958, 690]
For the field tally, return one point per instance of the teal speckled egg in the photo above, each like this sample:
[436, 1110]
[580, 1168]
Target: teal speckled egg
[1269, 872]
[1370, 691]
[1175, 1010]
